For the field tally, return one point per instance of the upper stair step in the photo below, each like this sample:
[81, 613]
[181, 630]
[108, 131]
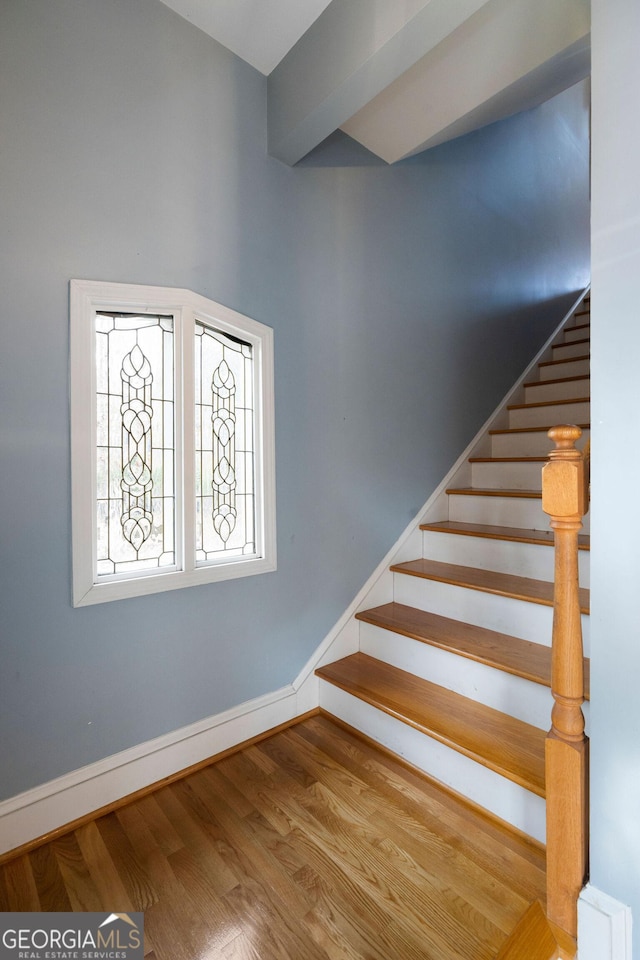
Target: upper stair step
[507, 746]
[528, 441]
[571, 348]
[574, 410]
[581, 331]
[569, 367]
[564, 388]
[500, 507]
[520, 658]
[523, 551]
[521, 535]
[514, 473]
[486, 581]
[520, 606]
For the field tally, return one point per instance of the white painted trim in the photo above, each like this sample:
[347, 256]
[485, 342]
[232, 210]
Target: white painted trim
[45, 808]
[604, 927]
[342, 639]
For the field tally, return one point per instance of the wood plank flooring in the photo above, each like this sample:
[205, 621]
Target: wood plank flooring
[311, 845]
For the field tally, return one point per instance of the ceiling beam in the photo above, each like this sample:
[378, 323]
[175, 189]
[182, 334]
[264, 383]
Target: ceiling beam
[509, 56]
[352, 52]
[400, 77]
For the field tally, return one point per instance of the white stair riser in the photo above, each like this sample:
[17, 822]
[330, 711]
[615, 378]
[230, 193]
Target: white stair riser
[574, 348]
[506, 556]
[528, 701]
[501, 511]
[518, 618]
[504, 799]
[568, 368]
[577, 333]
[557, 390]
[507, 476]
[550, 414]
[533, 444]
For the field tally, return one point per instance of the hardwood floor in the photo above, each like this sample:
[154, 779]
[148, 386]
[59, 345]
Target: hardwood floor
[309, 845]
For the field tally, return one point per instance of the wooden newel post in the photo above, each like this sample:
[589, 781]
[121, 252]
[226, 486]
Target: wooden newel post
[564, 493]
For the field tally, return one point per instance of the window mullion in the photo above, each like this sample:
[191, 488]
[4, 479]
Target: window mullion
[186, 454]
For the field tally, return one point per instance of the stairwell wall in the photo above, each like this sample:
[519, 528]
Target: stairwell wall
[404, 301]
[615, 565]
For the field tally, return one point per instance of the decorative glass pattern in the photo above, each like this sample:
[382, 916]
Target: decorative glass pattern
[135, 480]
[225, 501]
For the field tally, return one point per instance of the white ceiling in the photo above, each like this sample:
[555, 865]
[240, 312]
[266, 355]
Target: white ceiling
[259, 31]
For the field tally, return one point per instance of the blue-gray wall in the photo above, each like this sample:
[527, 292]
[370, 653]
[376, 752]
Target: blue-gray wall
[405, 301]
[615, 564]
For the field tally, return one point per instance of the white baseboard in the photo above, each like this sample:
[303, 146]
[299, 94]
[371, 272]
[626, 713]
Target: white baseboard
[37, 812]
[604, 927]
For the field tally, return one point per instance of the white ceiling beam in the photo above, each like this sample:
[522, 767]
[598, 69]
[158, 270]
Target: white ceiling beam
[509, 56]
[352, 52]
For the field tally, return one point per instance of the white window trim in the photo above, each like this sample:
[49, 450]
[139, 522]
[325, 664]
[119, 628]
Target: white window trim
[87, 297]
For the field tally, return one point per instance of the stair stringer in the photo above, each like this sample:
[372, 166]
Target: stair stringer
[344, 637]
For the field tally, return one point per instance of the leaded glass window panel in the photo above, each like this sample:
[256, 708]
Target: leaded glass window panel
[135, 476]
[172, 441]
[224, 431]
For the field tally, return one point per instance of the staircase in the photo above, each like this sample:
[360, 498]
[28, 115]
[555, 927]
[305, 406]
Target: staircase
[453, 672]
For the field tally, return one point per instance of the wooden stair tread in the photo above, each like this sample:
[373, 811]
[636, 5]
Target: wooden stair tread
[487, 581]
[547, 403]
[508, 459]
[584, 327]
[521, 658]
[545, 429]
[495, 492]
[508, 746]
[494, 532]
[546, 383]
[555, 363]
[582, 340]
[510, 654]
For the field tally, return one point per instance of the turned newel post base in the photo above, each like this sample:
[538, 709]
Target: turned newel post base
[567, 829]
